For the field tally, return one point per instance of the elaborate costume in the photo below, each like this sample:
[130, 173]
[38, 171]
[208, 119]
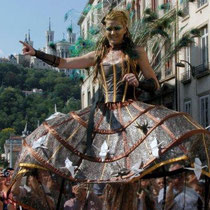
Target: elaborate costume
[119, 142]
[140, 138]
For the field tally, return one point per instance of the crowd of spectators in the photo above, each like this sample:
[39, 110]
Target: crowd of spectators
[180, 191]
[5, 179]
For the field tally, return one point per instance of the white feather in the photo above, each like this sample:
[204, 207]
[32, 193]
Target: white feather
[56, 114]
[70, 167]
[155, 147]
[40, 142]
[197, 168]
[136, 168]
[104, 151]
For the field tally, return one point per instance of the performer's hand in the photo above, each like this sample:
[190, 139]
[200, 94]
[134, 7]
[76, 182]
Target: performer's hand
[27, 49]
[131, 79]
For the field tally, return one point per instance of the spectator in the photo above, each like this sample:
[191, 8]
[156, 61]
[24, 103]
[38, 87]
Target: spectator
[83, 199]
[5, 179]
[159, 183]
[178, 196]
[145, 196]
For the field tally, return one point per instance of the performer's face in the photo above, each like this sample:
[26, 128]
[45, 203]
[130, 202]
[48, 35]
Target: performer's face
[115, 32]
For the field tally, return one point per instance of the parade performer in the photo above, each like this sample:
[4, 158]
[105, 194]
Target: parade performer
[116, 141]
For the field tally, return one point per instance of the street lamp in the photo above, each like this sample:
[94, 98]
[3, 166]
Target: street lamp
[192, 68]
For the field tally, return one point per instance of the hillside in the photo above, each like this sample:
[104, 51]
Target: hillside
[18, 103]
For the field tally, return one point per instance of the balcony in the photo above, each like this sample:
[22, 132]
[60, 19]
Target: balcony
[201, 70]
[14, 142]
[201, 2]
[186, 77]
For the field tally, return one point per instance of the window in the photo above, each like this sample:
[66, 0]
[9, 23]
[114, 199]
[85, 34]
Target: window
[168, 68]
[201, 2]
[83, 100]
[89, 98]
[187, 58]
[204, 111]
[154, 5]
[82, 32]
[93, 98]
[168, 64]
[88, 28]
[138, 10]
[186, 7]
[204, 45]
[187, 107]
[62, 53]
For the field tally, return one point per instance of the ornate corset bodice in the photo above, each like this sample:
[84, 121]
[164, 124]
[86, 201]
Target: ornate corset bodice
[114, 89]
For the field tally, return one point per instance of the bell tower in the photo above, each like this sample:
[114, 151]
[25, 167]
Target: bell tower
[28, 38]
[49, 35]
[71, 36]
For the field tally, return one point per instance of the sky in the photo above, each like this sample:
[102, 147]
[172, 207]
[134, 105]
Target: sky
[18, 16]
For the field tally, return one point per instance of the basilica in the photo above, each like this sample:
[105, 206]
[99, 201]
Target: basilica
[59, 48]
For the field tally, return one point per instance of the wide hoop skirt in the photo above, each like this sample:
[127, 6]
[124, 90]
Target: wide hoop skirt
[129, 140]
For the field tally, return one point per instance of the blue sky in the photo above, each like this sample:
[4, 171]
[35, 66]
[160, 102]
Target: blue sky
[17, 16]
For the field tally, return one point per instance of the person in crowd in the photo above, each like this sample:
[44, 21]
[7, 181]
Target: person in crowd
[84, 199]
[5, 181]
[178, 194]
[145, 195]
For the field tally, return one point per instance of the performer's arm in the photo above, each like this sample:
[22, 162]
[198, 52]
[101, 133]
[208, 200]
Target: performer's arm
[150, 83]
[81, 62]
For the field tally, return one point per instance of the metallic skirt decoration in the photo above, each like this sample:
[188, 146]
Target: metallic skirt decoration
[129, 140]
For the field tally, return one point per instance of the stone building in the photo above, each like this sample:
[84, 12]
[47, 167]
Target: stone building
[59, 48]
[194, 77]
[12, 147]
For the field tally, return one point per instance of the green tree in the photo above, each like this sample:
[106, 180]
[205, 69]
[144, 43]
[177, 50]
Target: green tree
[4, 135]
[17, 108]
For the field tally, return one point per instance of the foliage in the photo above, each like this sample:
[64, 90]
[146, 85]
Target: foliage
[81, 46]
[17, 108]
[52, 45]
[4, 135]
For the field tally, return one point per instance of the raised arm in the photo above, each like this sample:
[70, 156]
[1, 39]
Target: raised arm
[145, 67]
[81, 62]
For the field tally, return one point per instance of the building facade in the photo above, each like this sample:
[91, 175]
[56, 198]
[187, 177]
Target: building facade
[12, 147]
[195, 76]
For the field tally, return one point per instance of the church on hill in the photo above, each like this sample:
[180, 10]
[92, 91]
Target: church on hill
[59, 48]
